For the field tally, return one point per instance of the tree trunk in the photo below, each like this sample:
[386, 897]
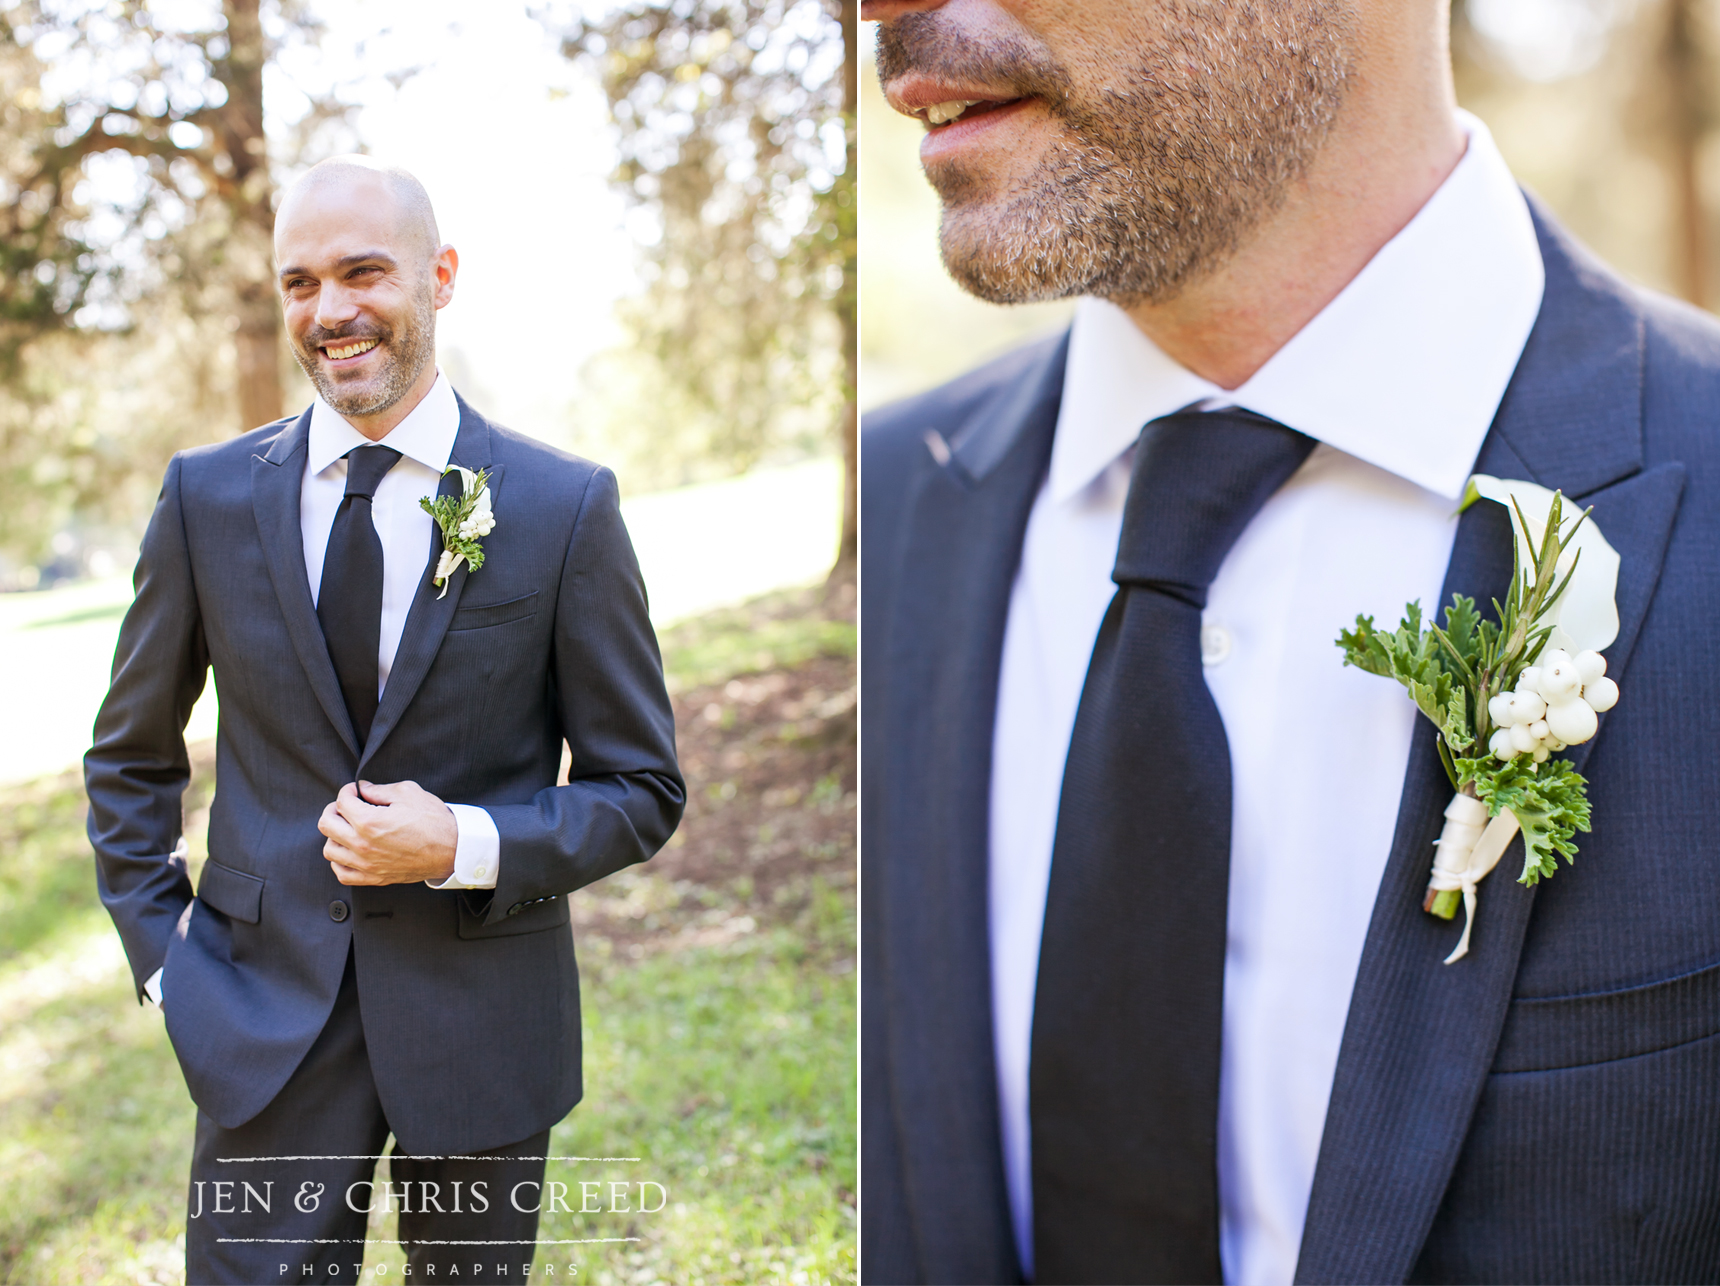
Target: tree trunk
[1687, 124]
[247, 192]
[848, 551]
[258, 367]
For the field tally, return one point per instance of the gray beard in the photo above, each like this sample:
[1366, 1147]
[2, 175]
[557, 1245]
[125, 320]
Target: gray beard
[407, 351]
[1158, 184]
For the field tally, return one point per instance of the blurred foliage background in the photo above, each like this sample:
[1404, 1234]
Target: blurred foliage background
[736, 124]
[144, 144]
[1605, 109]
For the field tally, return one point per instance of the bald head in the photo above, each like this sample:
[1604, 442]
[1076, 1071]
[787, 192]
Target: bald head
[360, 180]
[362, 272]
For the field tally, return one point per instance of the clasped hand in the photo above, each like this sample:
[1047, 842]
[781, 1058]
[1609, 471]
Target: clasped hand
[397, 833]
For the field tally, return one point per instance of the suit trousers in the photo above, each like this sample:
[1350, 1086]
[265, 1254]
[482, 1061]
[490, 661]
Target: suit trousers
[301, 1214]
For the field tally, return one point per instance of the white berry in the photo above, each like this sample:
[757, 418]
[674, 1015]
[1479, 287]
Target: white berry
[1526, 707]
[1572, 722]
[1500, 744]
[1499, 709]
[1541, 753]
[1530, 679]
[1560, 680]
[1600, 694]
[1522, 740]
[1591, 665]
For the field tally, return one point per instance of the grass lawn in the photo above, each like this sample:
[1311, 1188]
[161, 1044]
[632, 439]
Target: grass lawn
[718, 993]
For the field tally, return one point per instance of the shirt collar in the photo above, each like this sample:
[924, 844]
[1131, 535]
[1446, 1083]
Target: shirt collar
[426, 434]
[1404, 369]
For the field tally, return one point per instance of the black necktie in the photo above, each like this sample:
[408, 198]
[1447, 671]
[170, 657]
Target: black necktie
[1128, 1010]
[349, 604]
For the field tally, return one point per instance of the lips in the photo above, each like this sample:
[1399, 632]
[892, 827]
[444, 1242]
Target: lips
[938, 115]
[973, 125]
[347, 352]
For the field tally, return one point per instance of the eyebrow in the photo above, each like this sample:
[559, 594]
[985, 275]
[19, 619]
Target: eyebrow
[347, 261]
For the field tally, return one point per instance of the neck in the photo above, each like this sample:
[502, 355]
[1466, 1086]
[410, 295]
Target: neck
[1395, 140]
[378, 426]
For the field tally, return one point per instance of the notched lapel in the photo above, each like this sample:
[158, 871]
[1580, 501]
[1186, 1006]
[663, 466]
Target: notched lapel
[965, 527]
[276, 479]
[1421, 1036]
[432, 611]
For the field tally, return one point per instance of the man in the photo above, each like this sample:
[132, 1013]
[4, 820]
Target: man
[1149, 991]
[379, 940]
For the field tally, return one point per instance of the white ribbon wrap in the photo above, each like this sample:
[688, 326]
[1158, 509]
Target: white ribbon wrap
[1467, 849]
[445, 567]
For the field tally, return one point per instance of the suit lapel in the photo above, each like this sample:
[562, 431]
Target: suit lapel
[276, 479]
[432, 611]
[966, 523]
[1421, 1036]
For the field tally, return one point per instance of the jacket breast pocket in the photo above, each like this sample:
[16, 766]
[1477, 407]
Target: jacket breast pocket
[531, 917]
[234, 894]
[1547, 1033]
[483, 616]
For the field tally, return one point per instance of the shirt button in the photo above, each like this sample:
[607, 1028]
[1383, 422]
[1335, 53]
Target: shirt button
[480, 871]
[337, 911]
[1215, 643]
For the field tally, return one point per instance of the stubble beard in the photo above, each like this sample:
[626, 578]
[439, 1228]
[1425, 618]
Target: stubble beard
[406, 351]
[1158, 183]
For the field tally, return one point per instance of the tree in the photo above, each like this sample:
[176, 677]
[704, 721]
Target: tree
[736, 131]
[138, 311]
[186, 104]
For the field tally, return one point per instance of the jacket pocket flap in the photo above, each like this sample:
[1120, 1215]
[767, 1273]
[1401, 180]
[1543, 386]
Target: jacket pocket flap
[232, 893]
[529, 917]
[1542, 1034]
[483, 615]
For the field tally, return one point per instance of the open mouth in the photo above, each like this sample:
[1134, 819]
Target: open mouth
[962, 109]
[348, 350]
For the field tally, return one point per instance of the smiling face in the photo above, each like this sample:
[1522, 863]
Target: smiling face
[1118, 148]
[361, 279]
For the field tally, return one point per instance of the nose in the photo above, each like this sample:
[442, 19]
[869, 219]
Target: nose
[335, 306]
[885, 10]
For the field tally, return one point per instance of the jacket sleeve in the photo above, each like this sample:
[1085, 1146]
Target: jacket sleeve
[624, 794]
[137, 768]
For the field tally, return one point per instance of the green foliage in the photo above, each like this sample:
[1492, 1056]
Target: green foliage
[1430, 663]
[1550, 802]
[735, 126]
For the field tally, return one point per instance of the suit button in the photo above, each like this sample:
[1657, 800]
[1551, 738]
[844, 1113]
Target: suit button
[337, 911]
[514, 910]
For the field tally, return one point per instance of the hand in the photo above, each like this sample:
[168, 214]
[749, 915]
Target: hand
[397, 833]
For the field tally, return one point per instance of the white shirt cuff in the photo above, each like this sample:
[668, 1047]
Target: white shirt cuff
[152, 987]
[477, 852]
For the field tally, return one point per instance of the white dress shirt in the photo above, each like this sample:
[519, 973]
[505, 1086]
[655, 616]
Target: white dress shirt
[425, 439]
[1398, 378]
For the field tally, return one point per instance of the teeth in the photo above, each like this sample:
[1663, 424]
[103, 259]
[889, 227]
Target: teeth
[351, 350]
[942, 113]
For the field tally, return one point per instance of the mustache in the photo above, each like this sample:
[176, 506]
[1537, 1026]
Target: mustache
[317, 337]
[929, 43]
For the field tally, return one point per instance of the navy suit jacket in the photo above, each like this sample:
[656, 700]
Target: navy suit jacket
[470, 1000]
[1547, 1109]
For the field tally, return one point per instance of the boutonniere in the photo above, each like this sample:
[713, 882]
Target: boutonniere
[465, 520]
[1508, 694]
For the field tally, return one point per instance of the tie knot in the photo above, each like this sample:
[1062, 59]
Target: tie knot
[1199, 477]
[365, 468]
